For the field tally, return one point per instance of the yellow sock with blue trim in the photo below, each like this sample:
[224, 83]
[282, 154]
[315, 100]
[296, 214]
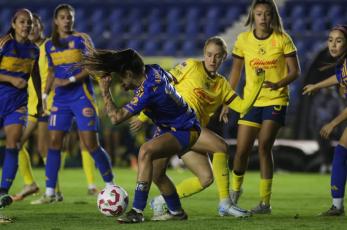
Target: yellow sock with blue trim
[265, 190]
[236, 181]
[221, 174]
[189, 187]
[88, 167]
[25, 165]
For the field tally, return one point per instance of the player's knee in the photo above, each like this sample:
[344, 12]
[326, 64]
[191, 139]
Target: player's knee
[206, 180]
[158, 178]
[55, 143]
[145, 153]
[264, 149]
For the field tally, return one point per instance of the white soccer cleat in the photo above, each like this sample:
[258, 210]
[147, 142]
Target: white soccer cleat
[233, 210]
[158, 206]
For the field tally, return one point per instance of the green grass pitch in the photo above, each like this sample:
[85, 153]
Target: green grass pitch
[296, 201]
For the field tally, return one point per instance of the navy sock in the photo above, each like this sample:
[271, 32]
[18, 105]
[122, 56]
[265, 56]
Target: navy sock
[52, 167]
[103, 163]
[339, 172]
[9, 168]
[173, 202]
[141, 195]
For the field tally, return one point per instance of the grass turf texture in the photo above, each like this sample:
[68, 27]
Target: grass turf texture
[296, 201]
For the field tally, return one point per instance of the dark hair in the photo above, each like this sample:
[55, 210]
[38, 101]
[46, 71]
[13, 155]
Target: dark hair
[276, 22]
[219, 41]
[14, 18]
[55, 35]
[109, 61]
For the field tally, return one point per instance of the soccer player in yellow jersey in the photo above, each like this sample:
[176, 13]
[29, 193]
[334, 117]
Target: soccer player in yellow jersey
[265, 45]
[205, 90]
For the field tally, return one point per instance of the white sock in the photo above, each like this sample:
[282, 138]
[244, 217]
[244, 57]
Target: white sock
[50, 191]
[225, 202]
[109, 184]
[91, 186]
[338, 203]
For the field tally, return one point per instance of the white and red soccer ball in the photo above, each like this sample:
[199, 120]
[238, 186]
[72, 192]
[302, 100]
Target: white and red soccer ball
[112, 201]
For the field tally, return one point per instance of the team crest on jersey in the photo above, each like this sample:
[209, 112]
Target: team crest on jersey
[91, 123]
[261, 51]
[52, 48]
[134, 101]
[88, 112]
[71, 44]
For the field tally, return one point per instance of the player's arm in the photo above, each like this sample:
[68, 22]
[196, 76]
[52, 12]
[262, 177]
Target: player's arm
[17, 82]
[328, 128]
[116, 115]
[36, 78]
[293, 73]
[235, 73]
[311, 88]
[242, 106]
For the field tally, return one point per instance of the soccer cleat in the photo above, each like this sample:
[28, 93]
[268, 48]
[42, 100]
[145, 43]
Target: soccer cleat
[26, 191]
[44, 200]
[169, 216]
[333, 211]
[158, 206]
[261, 208]
[131, 217]
[59, 197]
[5, 220]
[5, 200]
[235, 195]
[233, 210]
[93, 191]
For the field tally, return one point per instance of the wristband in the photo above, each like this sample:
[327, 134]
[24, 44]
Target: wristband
[44, 96]
[72, 79]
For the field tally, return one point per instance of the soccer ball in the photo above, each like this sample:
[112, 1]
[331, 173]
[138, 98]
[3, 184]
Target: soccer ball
[112, 201]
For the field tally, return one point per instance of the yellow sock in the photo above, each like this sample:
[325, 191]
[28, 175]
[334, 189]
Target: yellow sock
[265, 190]
[189, 187]
[236, 182]
[88, 166]
[25, 165]
[221, 174]
[64, 154]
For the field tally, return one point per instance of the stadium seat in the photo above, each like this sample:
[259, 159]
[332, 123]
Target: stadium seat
[211, 28]
[154, 28]
[213, 13]
[188, 48]
[191, 29]
[318, 26]
[173, 28]
[298, 26]
[151, 48]
[317, 12]
[173, 14]
[297, 12]
[192, 14]
[134, 44]
[335, 11]
[169, 48]
[136, 29]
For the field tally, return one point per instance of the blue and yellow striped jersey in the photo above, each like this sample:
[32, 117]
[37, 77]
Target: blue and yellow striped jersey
[160, 102]
[16, 60]
[65, 61]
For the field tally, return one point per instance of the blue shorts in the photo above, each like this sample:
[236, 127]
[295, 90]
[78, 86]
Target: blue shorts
[256, 115]
[186, 138]
[16, 117]
[83, 110]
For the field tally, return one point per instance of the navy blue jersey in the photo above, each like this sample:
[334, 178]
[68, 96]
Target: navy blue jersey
[161, 103]
[16, 60]
[64, 60]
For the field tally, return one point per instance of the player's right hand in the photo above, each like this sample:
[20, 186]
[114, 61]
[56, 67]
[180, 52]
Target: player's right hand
[309, 89]
[223, 116]
[135, 125]
[19, 83]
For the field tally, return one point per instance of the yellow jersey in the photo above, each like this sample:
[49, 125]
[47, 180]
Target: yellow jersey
[205, 93]
[32, 97]
[268, 54]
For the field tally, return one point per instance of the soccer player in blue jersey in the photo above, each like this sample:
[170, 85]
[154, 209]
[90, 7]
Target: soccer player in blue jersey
[74, 98]
[178, 127]
[18, 60]
[337, 44]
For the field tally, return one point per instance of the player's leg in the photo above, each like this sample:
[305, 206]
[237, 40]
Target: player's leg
[13, 127]
[88, 165]
[267, 136]
[163, 145]
[338, 178]
[24, 162]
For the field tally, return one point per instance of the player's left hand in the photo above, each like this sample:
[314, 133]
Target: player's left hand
[135, 125]
[271, 85]
[61, 82]
[326, 130]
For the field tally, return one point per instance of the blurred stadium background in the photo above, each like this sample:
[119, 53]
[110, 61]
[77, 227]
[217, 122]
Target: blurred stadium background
[168, 31]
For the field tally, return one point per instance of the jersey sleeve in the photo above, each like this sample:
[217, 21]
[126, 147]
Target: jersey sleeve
[87, 42]
[49, 58]
[242, 106]
[237, 50]
[288, 45]
[140, 100]
[180, 70]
